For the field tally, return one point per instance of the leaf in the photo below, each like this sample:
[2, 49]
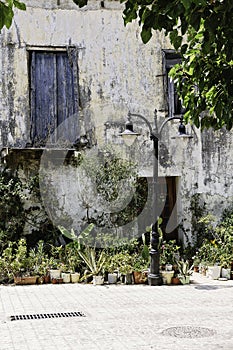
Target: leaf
[6, 15]
[130, 12]
[195, 20]
[80, 3]
[176, 39]
[71, 235]
[19, 5]
[146, 34]
[186, 4]
[88, 229]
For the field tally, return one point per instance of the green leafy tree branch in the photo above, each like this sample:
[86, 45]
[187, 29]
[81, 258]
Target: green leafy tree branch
[7, 11]
[202, 31]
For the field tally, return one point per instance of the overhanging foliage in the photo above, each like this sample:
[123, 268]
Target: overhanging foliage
[7, 13]
[203, 33]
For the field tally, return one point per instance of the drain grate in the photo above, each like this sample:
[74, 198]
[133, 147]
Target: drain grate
[189, 332]
[44, 316]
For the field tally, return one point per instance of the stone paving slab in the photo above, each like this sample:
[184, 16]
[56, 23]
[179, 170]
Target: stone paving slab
[118, 317]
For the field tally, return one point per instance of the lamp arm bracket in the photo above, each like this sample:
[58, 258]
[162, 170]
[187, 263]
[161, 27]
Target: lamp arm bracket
[154, 136]
[166, 121]
[145, 120]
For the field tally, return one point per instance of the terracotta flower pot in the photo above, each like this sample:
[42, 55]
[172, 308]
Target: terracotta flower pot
[175, 280]
[56, 280]
[47, 279]
[25, 280]
[139, 277]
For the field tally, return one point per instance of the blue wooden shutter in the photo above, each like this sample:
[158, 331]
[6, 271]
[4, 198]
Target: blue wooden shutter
[54, 97]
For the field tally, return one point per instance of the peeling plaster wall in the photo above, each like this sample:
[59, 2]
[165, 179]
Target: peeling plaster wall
[113, 72]
[117, 73]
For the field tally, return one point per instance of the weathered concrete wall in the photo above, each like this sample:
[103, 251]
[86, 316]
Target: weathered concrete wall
[117, 73]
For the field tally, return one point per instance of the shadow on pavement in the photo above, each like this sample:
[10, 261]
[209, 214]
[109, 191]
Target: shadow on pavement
[211, 287]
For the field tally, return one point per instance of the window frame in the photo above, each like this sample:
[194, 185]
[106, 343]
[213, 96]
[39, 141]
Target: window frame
[72, 56]
[170, 58]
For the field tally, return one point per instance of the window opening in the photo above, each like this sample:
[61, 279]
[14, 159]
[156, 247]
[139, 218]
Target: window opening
[174, 103]
[54, 97]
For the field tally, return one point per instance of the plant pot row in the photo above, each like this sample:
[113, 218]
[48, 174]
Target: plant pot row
[169, 278]
[54, 276]
[67, 277]
[215, 272]
[135, 277]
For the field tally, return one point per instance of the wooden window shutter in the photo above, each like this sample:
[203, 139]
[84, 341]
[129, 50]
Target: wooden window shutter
[54, 98]
[174, 103]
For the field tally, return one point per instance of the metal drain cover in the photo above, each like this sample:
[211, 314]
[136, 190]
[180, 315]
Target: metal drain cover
[189, 332]
[44, 316]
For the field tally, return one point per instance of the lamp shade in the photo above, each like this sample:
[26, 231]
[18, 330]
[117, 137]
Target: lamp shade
[129, 136]
[182, 131]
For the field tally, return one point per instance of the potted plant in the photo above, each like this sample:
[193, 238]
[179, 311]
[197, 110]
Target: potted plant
[175, 279]
[112, 266]
[6, 266]
[140, 269]
[72, 261]
[169, 254]
[140, 263]
[196, 263]
[94, 263]
[65, 273]
[43, 270]
[40, 261]
[119, 265]
[55, 264]
[185, 271]
[72, 249]
[225, 244]
[213, 267]
[209, 255]
[167, 276]
[125, 267]
[23, 265]
[225, 262]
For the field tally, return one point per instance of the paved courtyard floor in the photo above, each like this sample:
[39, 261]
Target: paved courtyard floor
[119, 317]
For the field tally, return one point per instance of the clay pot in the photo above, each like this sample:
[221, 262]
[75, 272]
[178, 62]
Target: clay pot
[25, 280]
[56, 280]
[139, 277]
[47, 279]
[175, 280]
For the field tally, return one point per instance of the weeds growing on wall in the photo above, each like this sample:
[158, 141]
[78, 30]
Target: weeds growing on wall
[12, 213]
[111, 177]
[17, 209]
[204, 226]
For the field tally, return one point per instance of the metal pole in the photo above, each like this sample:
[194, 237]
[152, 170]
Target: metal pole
[154, 277]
